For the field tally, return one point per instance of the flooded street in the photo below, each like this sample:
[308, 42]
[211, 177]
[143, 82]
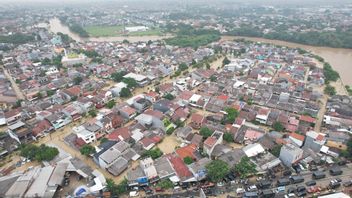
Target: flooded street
[339, 58]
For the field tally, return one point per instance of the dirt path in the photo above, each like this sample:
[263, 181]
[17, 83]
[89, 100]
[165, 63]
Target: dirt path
[17, 90]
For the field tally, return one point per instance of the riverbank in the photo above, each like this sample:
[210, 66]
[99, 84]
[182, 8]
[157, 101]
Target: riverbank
[339, 58]
[56, 26]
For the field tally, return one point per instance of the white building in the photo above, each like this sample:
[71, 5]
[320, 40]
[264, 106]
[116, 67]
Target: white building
[290, 154]
[72, 59]
[136, 29]
[84, 134]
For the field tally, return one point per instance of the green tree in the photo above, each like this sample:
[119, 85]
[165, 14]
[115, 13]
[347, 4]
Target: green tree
[165, 184]
[110, 104]
[217, 170]
[226, 61]
[116, 190]
[125, 92]
[276, 150]
[87, 150]
[50, 92]
[41, 153]
[330, 90]
[77, 80]
[118, 76]
[131, 83]
[205, 132]
[228, 137]
[169, 96]
[188, 160]
[153, 153]
[92, 113]
[183, 66]
[277, 126]
[103, 140]
[213, 78]
[231, 115]
[245, 168]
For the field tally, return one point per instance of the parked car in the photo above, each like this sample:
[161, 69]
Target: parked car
[240, 191]
[311, 183]
[347, 183]
[313, 189]
[334, 184]
[134, 194]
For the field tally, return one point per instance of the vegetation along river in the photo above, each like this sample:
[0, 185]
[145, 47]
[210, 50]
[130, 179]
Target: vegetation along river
[339, 58]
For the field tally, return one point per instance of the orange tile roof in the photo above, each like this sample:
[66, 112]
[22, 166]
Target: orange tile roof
[297, 136]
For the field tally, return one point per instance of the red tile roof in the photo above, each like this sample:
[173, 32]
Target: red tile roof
[210, 141]
[187, 151]
[306, 118]
[123, 132]
[197, 118]
[180, 167]
[223, 97]
[297, 136]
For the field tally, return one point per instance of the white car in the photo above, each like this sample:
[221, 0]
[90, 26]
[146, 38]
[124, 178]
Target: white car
[134, 194]
[240, 191]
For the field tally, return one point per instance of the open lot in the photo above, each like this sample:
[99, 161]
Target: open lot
[103, 31]
[117, 30]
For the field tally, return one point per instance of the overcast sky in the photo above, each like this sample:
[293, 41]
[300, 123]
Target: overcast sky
[150, 2]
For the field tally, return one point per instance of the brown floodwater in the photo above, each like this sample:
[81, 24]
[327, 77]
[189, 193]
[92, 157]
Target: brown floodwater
[339, 58]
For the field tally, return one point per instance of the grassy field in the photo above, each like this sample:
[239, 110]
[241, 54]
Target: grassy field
[101, 31]
[105, 31]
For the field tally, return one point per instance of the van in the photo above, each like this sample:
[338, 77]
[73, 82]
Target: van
[268, 193]
[318, 175]
[296, 179]
[264, 184]
[335, 171]
[283, 182]
[240, 191]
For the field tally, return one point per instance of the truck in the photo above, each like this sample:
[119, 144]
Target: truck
[295, 179]
[335, 171]
[283, 182]
[318, 175]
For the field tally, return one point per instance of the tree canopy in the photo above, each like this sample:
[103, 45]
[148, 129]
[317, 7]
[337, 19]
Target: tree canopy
[205, 132]
[125, 92]
[231, 115]
[217, 170]
[87, 150]
[188, 160]
[245, 168]
[41, 153]
[153, 153]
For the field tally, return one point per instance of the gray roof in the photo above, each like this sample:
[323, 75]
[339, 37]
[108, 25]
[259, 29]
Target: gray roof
[58, 175]
[19, 188]
[163, 167]
[118, 166]
[39, 186]
[6, 182]
[233, 157]
[134, 174]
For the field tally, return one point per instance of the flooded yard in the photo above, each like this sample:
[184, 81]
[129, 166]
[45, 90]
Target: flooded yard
[169, 143]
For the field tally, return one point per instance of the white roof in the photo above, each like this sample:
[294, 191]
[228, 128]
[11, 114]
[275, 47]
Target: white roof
[137, 77]
[252, 150]
[238, 84]
[120, 85]
[335, 195]
[195, 97]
